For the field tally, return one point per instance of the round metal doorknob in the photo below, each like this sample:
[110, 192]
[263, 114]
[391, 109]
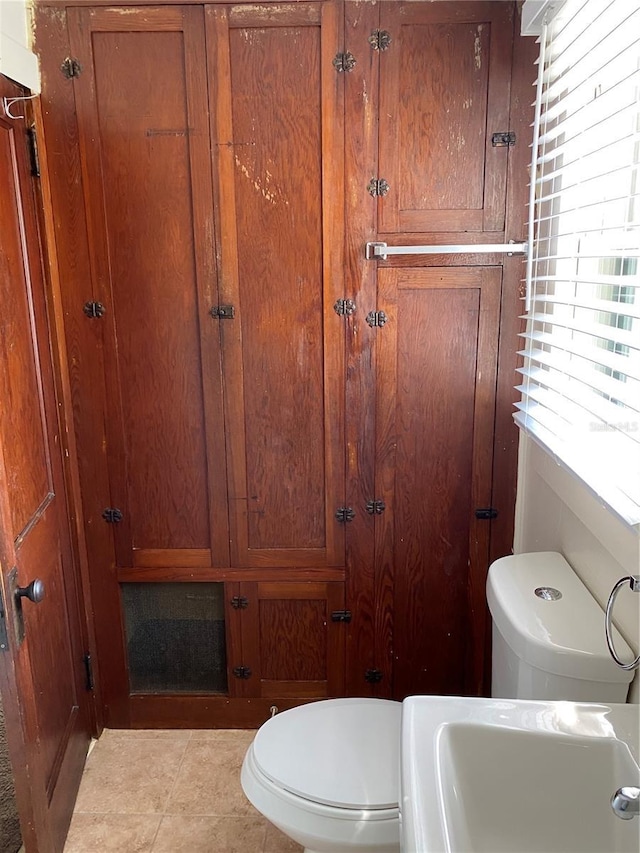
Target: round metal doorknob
[34, 592]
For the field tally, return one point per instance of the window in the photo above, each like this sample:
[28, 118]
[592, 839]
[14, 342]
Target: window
[581, 374]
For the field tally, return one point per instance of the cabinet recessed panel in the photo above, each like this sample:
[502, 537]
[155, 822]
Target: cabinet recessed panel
[436, 400]
[175, 636]
[278, 145]
[444, 89]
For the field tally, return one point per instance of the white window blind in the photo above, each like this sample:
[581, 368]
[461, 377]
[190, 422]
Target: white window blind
[581, 374]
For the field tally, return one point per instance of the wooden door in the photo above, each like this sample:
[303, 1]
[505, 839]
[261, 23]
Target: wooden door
[42, 647]
[444, 92]
[293, 639]
[277, 133]
[148, 358]
[145, 150]
[437, 357]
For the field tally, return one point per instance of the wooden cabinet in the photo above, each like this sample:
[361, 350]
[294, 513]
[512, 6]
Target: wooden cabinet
[240, 417]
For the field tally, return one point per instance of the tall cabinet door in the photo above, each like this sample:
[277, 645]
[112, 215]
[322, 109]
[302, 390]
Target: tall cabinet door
[277, 133]
[144, 138]
[444, 92]
[437, 357]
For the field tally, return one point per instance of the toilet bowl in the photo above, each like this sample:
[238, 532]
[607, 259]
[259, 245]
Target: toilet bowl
[326, 774]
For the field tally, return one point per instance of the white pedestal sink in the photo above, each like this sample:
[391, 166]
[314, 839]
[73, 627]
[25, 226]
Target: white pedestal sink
[515, 776]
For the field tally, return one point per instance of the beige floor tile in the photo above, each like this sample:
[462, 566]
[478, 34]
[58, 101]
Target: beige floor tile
[238, 737]
[198, 834]
[276, 842]
[209, 779]
[100, 833]
[130, 775]
[146, 734]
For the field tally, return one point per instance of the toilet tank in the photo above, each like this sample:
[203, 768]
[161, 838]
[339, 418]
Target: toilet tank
[547, 646]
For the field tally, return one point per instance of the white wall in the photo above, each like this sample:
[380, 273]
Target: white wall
[556, 512]
[16, 58]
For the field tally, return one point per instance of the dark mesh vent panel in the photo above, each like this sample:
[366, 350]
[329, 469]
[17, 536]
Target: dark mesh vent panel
[175, 637]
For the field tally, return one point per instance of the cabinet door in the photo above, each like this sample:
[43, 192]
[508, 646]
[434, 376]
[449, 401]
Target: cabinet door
[144, 141]
[444, 91]
[290, 642]
[277, 134]
[435, 414]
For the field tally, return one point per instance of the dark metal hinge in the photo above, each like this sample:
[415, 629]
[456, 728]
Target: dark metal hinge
[4, 640]
[88, 668]
[112, 515]
[502, 140]
[345, 514]
[376, 319]
[375, 507]
[380, 39]
[239, 602]
[71, 68]
[487, 513]
[344, 307]
[242, 672]
[223, 312]
[94, 309]
[344, 62]
[373, 676]
[378, 187]
[32, 144]
[341, 616]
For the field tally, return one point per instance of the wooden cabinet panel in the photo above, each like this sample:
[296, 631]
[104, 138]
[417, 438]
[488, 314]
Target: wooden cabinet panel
[277, 135]
[444, 90]
[289, 640]
[146, 153]
[435, 413]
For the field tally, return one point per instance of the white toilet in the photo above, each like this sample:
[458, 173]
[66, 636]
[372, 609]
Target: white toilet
[326, 773]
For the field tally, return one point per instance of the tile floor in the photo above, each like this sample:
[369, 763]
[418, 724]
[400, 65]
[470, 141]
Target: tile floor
[169, 792]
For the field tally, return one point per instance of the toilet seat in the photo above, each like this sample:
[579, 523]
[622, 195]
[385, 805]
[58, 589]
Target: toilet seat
[339, 753]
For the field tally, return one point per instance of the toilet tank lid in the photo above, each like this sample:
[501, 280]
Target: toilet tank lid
[564, 636]
[339, 752]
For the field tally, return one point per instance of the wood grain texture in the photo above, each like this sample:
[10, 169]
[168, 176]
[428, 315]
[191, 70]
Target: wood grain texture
[47, 654]
[83, 342]
[276, 111]
[365, 635]
[434, 133]
[22, 418]
[148, 281]
[289, 640]
[435, 420]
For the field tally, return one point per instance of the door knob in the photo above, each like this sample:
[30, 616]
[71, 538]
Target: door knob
[34, 592]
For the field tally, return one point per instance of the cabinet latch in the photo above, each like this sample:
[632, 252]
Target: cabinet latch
[373, 676]
[375, 507]
[341, 616]
[487, 513]
[504, 139]
[223, 312]
[239, 602]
